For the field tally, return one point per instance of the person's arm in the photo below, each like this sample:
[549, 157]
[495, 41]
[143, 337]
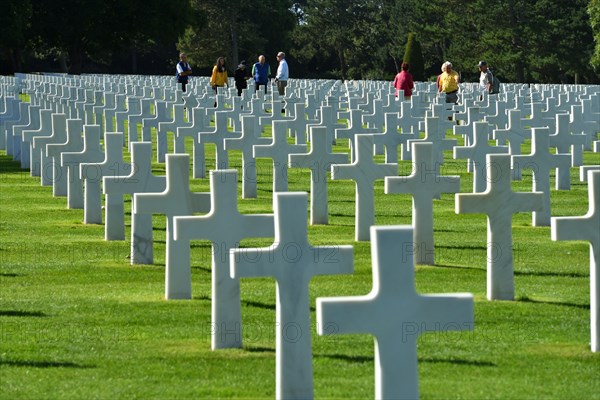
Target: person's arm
[213, 76]
[253, 69]
[490, 81]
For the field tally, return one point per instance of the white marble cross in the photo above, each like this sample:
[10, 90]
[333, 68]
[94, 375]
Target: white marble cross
[164, 127]
[176, 200]
[92, 174]
[27, 138]
[541, 161]
[38, 148]
[163, 114]
[225, 227]
[292, 261]
[73, 143]
[250, 137]
[499, 202]
[391, 139]
[364, 171]
[279, 150]
[354, 128]
[198, 164]
[515, 135]
[567, 142]
[586, 228]
[436, 135]
[476, 152]
[139, 180]
[424, 184]
[319, 160]
[216, 137]
[394, 313]
[92, 152]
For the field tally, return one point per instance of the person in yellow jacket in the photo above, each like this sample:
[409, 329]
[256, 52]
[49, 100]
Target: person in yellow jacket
[219, 74]
[448, 83]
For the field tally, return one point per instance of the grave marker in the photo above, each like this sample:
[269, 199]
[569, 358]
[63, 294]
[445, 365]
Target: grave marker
[541, 161]
[394, 313]
[364, 171]
[319, 159]
[279, 150]
[225, 227]
[92, 174]
[477, 153]
[424, 184]
[92, 152]
[139, 180]
[586, 228]
[499, 203]
[292, 261]
[176, 200]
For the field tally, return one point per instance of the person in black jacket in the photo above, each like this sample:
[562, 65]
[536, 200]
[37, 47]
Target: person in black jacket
[240, 76]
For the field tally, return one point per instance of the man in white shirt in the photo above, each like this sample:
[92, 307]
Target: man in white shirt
[283, 73]
[183, 71]
[485, 78]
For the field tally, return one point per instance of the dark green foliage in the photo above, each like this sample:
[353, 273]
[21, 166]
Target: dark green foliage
[414, 57]
[546, 41]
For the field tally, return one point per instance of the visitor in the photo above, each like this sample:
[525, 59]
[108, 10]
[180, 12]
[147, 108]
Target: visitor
[404, 81]
[183, 71]
[448, 83]
[261, 71]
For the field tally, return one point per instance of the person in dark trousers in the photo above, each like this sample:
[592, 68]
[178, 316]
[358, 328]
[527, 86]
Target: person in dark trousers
[240, 77]
[261, 72]
[183, 71]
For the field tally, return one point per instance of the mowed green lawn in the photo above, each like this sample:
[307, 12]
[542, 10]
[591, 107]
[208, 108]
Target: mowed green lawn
[78, 321]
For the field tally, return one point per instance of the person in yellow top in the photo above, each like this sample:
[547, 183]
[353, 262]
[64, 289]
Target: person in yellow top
[448, 83]
[219, 74]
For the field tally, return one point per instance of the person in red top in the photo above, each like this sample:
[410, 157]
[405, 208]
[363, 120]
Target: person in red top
[404, 81]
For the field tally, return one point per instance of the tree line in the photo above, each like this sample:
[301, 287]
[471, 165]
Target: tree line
[545, 41]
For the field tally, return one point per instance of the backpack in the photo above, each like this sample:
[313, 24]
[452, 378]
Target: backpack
[495, 85]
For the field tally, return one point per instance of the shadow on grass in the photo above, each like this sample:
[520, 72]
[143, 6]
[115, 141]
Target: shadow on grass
[8, 275]
[43, 364]
[258, 304]
[203, 269]
[259, 349]
[457, 361]
[555, 274]
[14, 313]
[554, 303]
[465, 247]
[9, 166]
[456, 267]
[370, 359]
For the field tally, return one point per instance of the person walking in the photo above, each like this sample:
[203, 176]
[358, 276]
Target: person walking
[261, 71]
[240, 77]
[218, 77]
[404, 81]
[448, 83]
[183, 71]
[283, 73]
[486, 79]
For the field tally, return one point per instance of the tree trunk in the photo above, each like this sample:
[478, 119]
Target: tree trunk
[133, 54]
[234, 42]
[62, 61]
[343, 68]
[76, 58]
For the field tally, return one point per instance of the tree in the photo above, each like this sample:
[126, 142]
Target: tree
[15, 20]
[414, 57]
[348, 32]
[233, 30]
[594, 13]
